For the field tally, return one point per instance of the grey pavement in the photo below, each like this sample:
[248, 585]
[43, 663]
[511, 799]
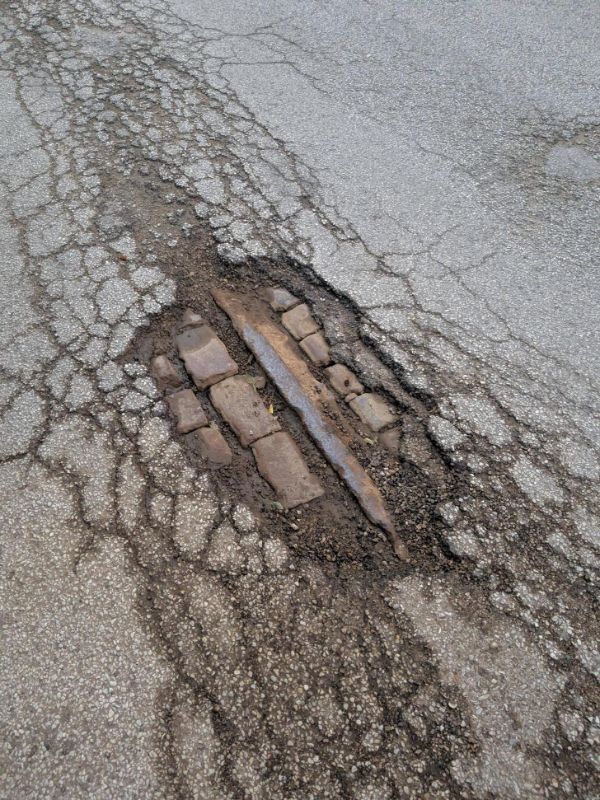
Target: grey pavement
[437, 167]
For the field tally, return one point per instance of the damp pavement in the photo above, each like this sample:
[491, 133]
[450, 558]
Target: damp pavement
[433, 171]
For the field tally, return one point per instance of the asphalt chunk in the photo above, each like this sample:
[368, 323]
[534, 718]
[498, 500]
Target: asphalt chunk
[281, 463]
[241, 407]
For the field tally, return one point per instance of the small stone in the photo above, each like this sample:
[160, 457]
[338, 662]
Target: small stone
[343, 381]
[241, 407]
[164, 373]
[280, 299]
[299, 322]
[190, 319]
[390, 440]
[187, 410]
[281, 463]
[205, 356]
[256, 381]
[213, 447]
[133, 369]
[372, 410]
[317, 349]
[350, 397]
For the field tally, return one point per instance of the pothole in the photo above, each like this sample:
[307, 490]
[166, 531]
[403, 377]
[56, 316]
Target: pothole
[379, 424]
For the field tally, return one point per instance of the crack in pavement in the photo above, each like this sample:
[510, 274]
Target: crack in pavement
[163, 638]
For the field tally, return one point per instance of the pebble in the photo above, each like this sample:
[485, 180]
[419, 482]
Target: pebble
[390, 440]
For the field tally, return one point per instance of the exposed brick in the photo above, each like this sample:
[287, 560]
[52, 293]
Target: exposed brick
[187, 410]
[280, 299]
[343, 381]
[316, 348]
[241, 407]
[205, 356]
[164, 373]
[190, 341]
[190, 319]
[281, 463]
[373, 410]
[299, 322]
[213, 446]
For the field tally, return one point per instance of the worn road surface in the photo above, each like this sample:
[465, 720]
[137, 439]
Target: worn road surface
[426, 175]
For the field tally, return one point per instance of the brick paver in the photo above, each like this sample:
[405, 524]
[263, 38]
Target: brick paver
[343, 380]
[316, 348]
[164, 373]
[242, 408]
[213, 447]
[281, 463]
[187, 410]
[300, 322]
[205, 356]
[280, 299]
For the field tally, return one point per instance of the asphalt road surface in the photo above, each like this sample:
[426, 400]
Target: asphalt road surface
[426, 175]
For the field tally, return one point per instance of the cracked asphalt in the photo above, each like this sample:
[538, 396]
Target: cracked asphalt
[433, 170]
